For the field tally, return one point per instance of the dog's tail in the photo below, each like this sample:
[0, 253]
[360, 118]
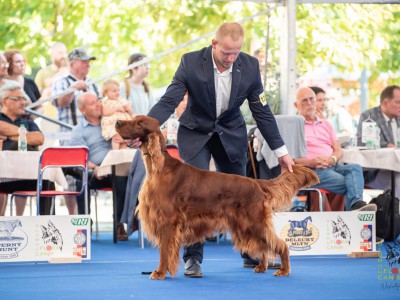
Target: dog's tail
[281, 190]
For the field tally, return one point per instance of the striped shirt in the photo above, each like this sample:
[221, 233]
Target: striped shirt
[64, 113]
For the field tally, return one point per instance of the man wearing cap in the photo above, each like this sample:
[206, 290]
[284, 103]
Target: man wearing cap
[66, 105]
[68, 112]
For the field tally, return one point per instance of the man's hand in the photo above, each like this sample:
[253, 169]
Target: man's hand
[80, 85]
[95, 171]
[136, 143]
[286, 162]
[323, 162]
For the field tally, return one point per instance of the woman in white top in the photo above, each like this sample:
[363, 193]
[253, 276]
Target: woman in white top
[136, 89]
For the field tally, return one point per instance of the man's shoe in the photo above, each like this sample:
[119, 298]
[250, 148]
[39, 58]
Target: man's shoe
[193, 269]
[362, 206]
[252, 263]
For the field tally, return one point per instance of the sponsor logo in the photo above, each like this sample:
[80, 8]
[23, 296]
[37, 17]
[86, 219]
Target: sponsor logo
[80, 239]
[388, 266]
[338, 234]
[366, 235]
[80, 221]
[299, 235]
[366, 217]
[12, 239]
[49, 240]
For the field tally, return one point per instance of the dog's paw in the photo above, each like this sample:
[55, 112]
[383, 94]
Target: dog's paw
[260, 269]
[156, 275]
[282, 273]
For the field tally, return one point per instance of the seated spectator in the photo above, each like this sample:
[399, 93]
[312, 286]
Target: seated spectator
[320, 101]
[16, 72]
[323, 153]
[88, 133]
[387, 117]
[338, 115]
[113, 109]
[13, 103]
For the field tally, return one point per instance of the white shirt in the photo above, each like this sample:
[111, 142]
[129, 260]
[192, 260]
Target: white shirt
[393, 123]
[223, 85]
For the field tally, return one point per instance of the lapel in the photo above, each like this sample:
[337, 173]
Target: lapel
[383, 125]
[208, 70]
[236, 76]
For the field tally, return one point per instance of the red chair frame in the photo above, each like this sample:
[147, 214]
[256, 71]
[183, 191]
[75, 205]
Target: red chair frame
[59, 157]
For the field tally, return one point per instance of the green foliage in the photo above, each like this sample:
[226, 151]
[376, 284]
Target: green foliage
[349, 36]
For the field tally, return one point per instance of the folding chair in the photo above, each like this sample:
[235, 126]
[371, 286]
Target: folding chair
[59, 157]
[95, 192]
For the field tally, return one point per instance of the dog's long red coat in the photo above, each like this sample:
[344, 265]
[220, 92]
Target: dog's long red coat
[180, 204]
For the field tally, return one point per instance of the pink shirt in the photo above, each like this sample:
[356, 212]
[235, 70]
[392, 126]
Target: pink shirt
[320, 137]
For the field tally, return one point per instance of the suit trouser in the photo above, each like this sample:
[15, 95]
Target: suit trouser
[201, 160]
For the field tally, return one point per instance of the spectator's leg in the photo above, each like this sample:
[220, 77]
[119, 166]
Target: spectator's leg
[354, 181]
[20, 203]
[70, 202]
[3, 204]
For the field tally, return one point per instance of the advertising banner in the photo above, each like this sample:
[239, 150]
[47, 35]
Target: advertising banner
[39, 238]
[321, 233]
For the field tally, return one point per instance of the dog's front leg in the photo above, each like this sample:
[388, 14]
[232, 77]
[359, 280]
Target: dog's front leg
[283, 251]
[262, 265]
[166, 248]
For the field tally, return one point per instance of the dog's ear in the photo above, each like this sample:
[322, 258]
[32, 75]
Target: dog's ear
[154, 148]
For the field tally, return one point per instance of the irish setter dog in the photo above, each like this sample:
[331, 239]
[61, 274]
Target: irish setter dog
[180, 205]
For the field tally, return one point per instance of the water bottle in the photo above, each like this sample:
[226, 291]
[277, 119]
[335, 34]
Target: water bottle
[377, 139]
[22, 143]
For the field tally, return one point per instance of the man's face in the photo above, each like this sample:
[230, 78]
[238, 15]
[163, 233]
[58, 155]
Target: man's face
[92, 108]
[59, 56]
[226, 51]
[305, 103]
[393, 105]
[13, 103]
[3, 66]
[320, 101]
[80, 67]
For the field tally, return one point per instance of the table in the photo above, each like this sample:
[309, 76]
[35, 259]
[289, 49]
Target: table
[116, 163]
[17, 165]
[384, 159]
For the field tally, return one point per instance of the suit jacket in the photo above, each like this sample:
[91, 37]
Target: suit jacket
[198, 123]
[376, 114]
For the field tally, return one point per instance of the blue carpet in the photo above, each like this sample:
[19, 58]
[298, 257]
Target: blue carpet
[114, 272]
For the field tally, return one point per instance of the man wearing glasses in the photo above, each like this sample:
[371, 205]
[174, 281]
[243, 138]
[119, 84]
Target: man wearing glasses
[13, 107]
[13, 103]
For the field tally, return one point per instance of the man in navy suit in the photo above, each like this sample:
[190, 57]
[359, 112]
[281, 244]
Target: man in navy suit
[218, 79]
[387, 117]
